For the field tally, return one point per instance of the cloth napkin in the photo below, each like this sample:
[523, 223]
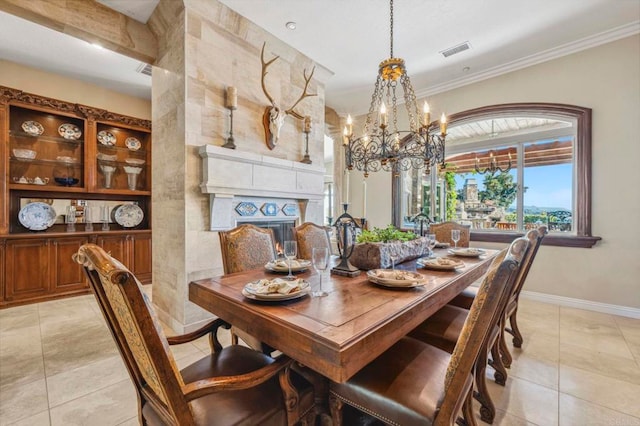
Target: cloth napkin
[284, 264]
[277, 285]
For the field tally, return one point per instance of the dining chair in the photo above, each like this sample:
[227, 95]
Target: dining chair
[232, 385]
[465, 299]
[414, 383]
[247, 247]
[443, 232]
[444, 328]
[309, 235]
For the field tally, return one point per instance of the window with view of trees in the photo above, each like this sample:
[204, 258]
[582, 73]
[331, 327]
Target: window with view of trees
[509, 168]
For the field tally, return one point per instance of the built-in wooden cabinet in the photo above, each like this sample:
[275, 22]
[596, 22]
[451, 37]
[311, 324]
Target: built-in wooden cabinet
[85, 163]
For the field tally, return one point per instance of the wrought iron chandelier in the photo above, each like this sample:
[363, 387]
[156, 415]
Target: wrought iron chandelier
[492, 167]
[382, 146]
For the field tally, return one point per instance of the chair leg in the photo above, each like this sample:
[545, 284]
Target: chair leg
[515, 331]
[507, 359]
[487, 409]
[500, 374]
[467, 411]
[335, 406]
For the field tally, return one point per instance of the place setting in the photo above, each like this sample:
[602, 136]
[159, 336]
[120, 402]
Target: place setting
[289, 264]
[395, 278]
[277, 289]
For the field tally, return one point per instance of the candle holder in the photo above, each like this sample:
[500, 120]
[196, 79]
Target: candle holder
[230, 141]
[306, 159]
[346, 229]
[419, 222]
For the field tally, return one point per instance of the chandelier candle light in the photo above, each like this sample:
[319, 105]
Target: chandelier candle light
[493, 165]
[231, 104]
[382, 146]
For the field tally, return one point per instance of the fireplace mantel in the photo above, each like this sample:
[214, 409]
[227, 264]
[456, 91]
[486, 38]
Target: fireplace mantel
[231, 176]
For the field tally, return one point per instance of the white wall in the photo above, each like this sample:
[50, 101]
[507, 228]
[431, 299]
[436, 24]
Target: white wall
[607, 79]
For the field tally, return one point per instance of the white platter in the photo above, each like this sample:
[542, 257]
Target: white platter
[249, 292]
[132, 143]
[32, 128]
[106, 138]
[37, 216]
[128, 215]
[412, 279]
[280, 266]
[467, 252]
[440, 264]
[69, 131]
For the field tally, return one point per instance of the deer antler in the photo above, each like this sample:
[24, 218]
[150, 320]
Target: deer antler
[291, 111]
[265, 65]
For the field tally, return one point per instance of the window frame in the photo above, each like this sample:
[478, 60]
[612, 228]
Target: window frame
[581, 116]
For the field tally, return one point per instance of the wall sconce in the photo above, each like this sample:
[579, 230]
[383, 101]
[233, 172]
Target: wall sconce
[307, 129]
[231, 104]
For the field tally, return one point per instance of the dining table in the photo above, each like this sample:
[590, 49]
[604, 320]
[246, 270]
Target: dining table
[338, 334]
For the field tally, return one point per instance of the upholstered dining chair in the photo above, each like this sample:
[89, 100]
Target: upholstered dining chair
[443, 232]
[309, 235]
[232, 385]
[465, 299]
[444, 328]
[247, 247]
[414, 383]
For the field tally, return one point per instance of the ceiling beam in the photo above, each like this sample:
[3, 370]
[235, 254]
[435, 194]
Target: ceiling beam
[90, 21]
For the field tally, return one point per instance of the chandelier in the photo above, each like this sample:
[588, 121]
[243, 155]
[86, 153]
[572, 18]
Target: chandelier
[492, 167]
[382, 146]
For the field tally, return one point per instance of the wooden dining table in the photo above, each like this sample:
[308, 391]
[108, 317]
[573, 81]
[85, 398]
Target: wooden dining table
[339, 334]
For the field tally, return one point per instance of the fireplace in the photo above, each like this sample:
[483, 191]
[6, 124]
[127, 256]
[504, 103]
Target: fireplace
[281, 230]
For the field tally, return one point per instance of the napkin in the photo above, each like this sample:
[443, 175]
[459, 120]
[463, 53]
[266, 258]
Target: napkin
[395, 275]
[284, 264]
[278, 285]
[445, 262]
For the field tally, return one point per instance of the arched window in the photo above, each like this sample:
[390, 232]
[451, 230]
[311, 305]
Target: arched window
[509, 168]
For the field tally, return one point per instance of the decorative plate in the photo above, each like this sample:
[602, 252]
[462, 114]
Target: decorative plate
[297, 265]
[440, 264]
[132, 143]
[69, 131]
[32, 128]
[396, 278]
[467, 252]
[106, 138]
[37, 216]
[251, 291]
[128, 215]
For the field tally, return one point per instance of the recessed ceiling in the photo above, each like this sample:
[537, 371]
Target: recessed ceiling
[350, 38]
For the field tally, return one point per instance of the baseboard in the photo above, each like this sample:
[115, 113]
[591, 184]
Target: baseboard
[606, 308]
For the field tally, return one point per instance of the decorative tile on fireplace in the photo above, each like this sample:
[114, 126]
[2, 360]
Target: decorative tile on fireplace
[290, 210]
[269, 209]
[246, 209]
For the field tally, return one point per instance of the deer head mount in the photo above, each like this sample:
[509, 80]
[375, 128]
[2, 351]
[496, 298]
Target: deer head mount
[274, 116]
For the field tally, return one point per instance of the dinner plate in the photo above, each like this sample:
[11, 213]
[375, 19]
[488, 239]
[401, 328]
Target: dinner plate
[249, 293]
[303, 265]
[32, 128]
[37, 216]
[414, 279]
[106, 138]
[133, 144]
[69, 131]
[440, 264]
[128, 215]
[467, 252]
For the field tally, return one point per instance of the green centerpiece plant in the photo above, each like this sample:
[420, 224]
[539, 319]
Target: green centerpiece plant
[386, 235]
[381, 247]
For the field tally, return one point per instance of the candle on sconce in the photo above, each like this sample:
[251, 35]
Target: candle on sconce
[443, 124]
[349, 128]
[232, 97]
[307, 124]
[427, 114]
[345, 136]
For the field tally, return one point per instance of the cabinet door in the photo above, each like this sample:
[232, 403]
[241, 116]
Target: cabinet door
[116, 246]
[141, 258]
[27, 269]
[67, 275]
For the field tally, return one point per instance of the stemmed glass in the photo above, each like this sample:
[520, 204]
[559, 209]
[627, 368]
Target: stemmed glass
[431, 242]
[455, 236]
[320, 259]
[290, 251]
[393, 254]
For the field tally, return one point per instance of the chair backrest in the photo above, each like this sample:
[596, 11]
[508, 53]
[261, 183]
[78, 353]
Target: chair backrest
[246, 247]
[309, 235]
[483, 316]
[534, 237]
[137, 332]
[443, 232]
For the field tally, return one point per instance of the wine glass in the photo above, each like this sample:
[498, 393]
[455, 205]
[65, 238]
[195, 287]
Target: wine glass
[393, 255]
[320, 259]
[290, 251]
[455, 237]
[431, 242]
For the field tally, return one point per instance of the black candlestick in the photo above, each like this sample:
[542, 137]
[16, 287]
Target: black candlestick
[230, 142]
[346, 229]
[306, 159]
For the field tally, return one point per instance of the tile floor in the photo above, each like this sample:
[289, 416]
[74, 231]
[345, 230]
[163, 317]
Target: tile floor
[59, 366]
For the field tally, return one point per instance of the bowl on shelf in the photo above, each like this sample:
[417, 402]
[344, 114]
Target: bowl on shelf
[66, 181]
[65, 159]
[132, 170]
[106, 157]
[134, 161]
[24, 154]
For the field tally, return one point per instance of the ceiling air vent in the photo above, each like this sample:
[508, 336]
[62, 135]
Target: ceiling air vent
[456, 49]
[144, 69]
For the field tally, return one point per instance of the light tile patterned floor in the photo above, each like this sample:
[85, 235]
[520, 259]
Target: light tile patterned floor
[59, 366]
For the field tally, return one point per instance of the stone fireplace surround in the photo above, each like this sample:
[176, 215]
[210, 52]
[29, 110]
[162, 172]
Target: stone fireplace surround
[233, 177]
